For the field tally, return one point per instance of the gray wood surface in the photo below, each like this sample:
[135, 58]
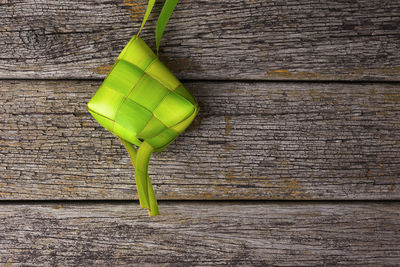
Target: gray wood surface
[228, 39]
[307, 137]
[200, 233]
[257, 140]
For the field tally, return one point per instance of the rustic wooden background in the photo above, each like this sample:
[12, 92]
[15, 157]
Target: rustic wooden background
[294, 158]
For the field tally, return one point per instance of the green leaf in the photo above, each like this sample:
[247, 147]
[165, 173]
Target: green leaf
[150, 5]
[162, 21]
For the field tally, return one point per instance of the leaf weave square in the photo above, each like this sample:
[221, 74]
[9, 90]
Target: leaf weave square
[141, 99]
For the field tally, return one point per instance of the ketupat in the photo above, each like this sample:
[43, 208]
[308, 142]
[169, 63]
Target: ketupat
[144, 104]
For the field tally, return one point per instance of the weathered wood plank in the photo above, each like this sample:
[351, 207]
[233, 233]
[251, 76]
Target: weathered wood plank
[251, 141]
[211, 234]
[227, 39]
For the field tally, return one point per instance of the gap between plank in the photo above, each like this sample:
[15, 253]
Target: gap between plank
[218, 80]
[233, 201]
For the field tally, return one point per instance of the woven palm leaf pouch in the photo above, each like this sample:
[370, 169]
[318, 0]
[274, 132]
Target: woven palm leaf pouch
[144, 104]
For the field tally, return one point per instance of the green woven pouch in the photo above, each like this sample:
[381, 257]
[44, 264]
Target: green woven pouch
[144, 104]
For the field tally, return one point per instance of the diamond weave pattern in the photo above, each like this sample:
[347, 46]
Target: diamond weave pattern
[141, 99]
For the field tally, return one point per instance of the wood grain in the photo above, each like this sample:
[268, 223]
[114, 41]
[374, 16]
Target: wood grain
[227, 39]
[198, 234]
[256, 140]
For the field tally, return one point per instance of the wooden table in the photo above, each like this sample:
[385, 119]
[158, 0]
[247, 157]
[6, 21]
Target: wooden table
[294, 158]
